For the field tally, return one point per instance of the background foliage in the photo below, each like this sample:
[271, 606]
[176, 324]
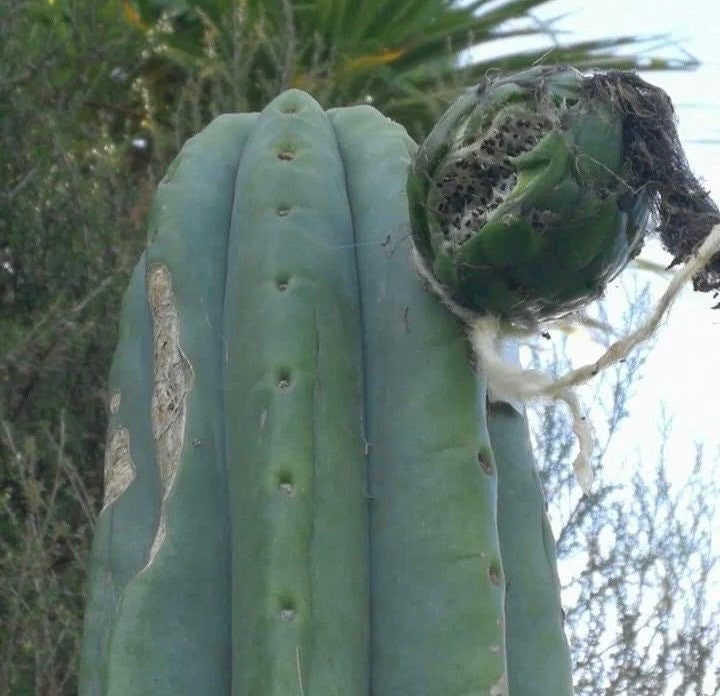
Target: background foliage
[96, 97]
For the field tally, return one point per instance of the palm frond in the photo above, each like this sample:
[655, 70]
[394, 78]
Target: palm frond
[407, 57]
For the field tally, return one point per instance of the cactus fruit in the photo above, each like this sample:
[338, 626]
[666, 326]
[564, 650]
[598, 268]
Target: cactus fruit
[518, 196]
[535, 189]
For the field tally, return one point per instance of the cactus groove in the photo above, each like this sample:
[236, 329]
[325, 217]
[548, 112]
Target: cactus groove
[302, 494]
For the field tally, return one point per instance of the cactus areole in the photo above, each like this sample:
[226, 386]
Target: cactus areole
[302, 473]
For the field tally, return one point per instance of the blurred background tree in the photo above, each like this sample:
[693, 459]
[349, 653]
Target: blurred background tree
[96, 97]
[637, 558]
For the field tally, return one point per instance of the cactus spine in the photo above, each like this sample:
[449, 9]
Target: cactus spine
[302, 488]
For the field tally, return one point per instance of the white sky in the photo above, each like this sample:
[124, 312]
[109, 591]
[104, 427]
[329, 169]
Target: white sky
[683, 370]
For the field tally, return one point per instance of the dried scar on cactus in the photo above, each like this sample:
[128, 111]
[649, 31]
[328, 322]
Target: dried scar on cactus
[172, 381]
[119, 466]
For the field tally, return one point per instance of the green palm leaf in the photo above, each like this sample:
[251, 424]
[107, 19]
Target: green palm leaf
[404, 57]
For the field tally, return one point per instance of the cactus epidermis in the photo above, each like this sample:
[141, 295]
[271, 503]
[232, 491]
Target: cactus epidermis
[303, 495]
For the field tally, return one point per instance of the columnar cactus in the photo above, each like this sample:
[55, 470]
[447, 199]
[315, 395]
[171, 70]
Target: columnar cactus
[301, 488]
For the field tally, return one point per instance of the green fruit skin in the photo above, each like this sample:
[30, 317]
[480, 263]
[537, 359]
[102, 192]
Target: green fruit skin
[538, 655]
[566, 227]
[329, 524]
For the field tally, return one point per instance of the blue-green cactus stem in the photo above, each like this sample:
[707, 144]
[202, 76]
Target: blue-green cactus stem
[538, 654]
[293, 419]
[437, 583]
[166, 637]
